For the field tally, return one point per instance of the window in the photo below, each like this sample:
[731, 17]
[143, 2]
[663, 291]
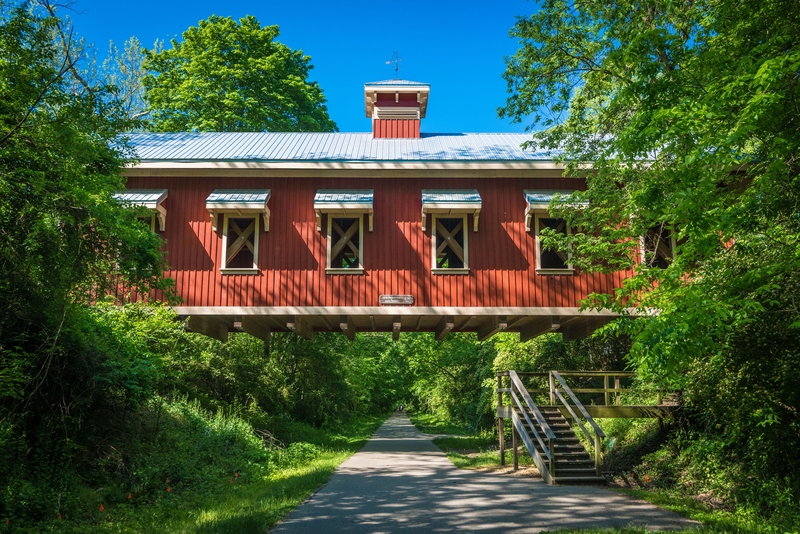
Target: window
[150, 199]
[345, 243]
[149, 221]
[242, 212]
[449, 210]
[551, 261]
[239, 244]
[345, 209]
[449, 243]
[658, 246]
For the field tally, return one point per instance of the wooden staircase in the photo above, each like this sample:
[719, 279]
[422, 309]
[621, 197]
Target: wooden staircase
[573, 464]
[548, 435]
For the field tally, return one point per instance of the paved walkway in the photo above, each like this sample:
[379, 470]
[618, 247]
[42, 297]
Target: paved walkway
[401, 482]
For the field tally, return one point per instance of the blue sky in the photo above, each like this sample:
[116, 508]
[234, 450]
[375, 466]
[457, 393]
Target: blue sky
[457, 47]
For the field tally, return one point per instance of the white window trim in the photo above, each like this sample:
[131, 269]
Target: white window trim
[464, 232]
[339, 270]
[539, 269]
[240, 270]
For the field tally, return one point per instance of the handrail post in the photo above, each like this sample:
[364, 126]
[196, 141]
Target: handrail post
[605, 386]
[515, 446]
[597, 453]
[552, 389]
[500, 421]
[616, 386]
[552, 466]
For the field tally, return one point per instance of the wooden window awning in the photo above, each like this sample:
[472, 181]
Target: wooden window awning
[148, 198]
[451, 202]
[239, 201]
[538, 200]
[343, 203]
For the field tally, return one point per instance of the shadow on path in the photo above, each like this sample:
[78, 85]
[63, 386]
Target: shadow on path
[401, 482]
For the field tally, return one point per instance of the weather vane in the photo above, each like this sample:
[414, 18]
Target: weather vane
[396, 59]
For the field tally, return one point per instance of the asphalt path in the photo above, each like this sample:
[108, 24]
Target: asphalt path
[401, 482]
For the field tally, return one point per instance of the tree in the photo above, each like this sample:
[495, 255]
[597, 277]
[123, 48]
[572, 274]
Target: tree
[65, 240]
[125, 72]
[689, 114]
[232, 76]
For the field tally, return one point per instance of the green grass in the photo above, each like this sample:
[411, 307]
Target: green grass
[245, 504]
[475, 452]
[433, 424]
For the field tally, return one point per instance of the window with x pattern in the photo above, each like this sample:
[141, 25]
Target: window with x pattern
[551, 260]
[240, 243]
[450, 243]
[659, 246]
[344, 242]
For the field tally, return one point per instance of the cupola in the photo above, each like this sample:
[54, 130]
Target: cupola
[396, 107]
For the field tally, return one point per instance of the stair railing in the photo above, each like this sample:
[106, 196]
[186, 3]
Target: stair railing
[599, 435]
[541, 430]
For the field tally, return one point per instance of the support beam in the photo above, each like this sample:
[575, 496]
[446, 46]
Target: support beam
[326, 322]
[300, 326]
[419, 322]
[257, 327]
[275, 323]
[210, 326]
[396, 326]
[583, 328]
[443, 328]
[347, 326]
[491, 326]
[537, 327]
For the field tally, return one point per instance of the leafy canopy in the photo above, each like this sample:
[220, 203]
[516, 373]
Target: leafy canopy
[689, 113]
[230, 76]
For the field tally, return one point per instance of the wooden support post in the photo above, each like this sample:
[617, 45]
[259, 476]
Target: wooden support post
[491, 326]
[515, 446]
[539, 326]
[444, 327]
[616, 386]
[396, 326]
[215, 327]
[347, 326]
[257, 327]
[597, 454]
[300, 326]
[605, 386]
[500, 421]
[552, 389]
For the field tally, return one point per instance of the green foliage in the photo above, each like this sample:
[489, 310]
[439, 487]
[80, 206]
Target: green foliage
[689, 114]
[230, 76]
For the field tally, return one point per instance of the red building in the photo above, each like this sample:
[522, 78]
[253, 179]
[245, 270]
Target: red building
[385, 231]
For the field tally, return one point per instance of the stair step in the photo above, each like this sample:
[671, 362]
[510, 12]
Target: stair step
[595, 480]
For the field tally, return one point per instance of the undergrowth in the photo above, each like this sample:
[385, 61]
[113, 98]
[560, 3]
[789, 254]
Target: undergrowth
[182, 468]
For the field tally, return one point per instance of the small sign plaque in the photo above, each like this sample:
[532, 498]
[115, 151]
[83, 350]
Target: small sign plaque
[397, 300]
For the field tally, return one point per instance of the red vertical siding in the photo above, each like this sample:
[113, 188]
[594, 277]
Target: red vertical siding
[397, 254]
[395, 128]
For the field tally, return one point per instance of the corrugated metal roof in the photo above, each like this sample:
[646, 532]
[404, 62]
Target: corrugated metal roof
[344, 196]
[397, 82]
[447, 196]
[331, 147]
[142, 197]
[545, 196]
[256, 197]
